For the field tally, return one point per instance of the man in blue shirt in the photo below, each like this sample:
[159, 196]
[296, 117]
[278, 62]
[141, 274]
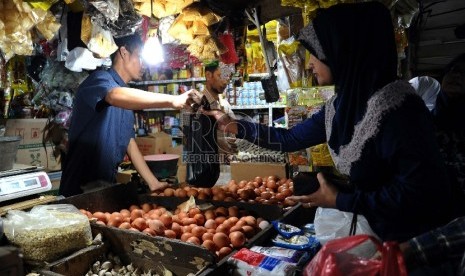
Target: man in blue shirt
[101, 130]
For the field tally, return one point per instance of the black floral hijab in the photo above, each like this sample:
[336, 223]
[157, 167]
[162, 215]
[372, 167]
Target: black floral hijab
[357, 42]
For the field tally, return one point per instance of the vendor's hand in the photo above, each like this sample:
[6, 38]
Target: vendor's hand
[186, 99]
[224, 122]
[325, 196]
[157, 186]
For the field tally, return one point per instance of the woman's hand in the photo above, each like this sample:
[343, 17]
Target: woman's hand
[325, 196]
[224, 122]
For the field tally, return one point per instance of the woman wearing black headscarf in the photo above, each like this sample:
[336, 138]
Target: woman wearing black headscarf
[379, 132]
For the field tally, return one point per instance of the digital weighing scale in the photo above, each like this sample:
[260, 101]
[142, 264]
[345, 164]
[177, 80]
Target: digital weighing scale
[22, 181]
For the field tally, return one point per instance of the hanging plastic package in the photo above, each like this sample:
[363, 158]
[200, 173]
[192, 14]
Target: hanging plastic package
[109, 8]
[164, 24]
[290, 54]
[49, 26]
[283, 80]
[62, 48]
[101, 42]
[269, 83]
[81, 58]
[201, 155]
[128, 21]
[230, 56]
[86, 29]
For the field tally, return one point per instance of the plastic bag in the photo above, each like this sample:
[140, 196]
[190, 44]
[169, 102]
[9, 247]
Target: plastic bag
[48, 232]
[230, 56]
[291, 58]
[109, 8]
[128, 20]
[164, 25]
[48, 27]
[81, 58]
[283, 81]
[331, 224]
[343, 257]
[55, 76]
[202, 159]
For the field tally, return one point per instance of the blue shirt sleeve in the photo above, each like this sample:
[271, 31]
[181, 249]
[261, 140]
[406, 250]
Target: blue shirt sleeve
[97, 88]
[305, 134]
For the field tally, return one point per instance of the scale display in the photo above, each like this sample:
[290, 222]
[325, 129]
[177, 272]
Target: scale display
[20, 185]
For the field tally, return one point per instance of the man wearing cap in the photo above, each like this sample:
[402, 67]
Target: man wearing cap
[102, 124]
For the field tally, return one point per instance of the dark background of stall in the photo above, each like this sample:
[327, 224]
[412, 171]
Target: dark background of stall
[436, 36]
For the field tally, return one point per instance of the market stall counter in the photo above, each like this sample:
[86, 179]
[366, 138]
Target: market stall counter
[179, 254]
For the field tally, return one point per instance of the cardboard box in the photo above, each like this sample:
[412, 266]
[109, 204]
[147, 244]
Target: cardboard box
[249, 170]
[31, 150]
[156, 143]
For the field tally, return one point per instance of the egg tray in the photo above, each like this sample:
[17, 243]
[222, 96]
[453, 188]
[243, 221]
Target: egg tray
[194, 259]
[136, 247]
[297, 216]
[269, 212]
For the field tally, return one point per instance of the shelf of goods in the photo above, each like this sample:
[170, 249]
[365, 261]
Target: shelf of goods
[270, 108]
[234, 107]
[157, 238]
[157, 82]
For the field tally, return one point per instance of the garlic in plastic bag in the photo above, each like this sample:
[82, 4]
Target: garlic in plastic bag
[48, 232]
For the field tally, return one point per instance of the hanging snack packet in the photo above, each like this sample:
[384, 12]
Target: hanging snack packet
[101, 42]
[109, 8]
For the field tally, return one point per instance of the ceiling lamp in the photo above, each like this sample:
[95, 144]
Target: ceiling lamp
[152, 52]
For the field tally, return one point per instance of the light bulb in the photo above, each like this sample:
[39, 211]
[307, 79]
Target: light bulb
[152, 52]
